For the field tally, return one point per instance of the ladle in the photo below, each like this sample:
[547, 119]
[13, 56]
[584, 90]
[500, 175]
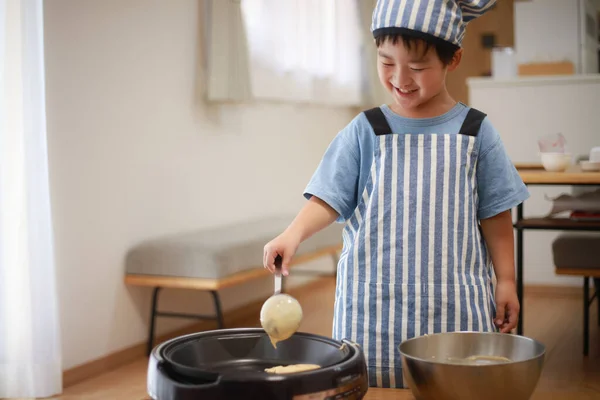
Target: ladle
[281, 314]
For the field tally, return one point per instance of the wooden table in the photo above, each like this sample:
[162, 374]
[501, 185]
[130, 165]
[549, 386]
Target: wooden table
[534, 174]
[385, 394]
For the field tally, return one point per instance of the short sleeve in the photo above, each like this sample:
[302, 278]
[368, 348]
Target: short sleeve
[335, 180]
[499, 185]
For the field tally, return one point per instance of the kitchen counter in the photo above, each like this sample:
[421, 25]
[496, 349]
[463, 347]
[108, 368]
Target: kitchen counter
[388, 394]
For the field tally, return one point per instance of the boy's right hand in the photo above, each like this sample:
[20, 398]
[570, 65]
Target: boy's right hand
[284, 245]
[314, 216]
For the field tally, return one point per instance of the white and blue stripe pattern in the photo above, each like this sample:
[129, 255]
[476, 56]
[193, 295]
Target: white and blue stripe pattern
[414, 261]
[443, 19]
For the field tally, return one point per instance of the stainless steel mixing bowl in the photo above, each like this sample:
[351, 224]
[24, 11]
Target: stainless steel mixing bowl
[436, 367]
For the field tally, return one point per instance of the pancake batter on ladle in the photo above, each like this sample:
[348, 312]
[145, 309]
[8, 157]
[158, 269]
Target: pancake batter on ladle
[281, 314]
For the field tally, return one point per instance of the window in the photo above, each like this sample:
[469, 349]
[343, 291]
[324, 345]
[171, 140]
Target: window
[304, 50]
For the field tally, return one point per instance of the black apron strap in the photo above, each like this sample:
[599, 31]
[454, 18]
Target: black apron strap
[472, 123]
[378, 121]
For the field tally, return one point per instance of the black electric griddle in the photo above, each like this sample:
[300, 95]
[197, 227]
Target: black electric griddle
[230, 363]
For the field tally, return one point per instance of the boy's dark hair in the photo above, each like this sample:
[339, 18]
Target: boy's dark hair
[445, 50]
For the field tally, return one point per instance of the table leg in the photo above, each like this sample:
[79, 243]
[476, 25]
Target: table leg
[586, 315]
[597, 294]
[520, 269]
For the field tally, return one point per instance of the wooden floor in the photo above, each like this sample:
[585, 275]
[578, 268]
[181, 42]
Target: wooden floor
[555, 320]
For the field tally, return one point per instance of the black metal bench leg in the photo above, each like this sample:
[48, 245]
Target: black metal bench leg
[336, 260]
[219, 311]
[153, 311]
[586, 315]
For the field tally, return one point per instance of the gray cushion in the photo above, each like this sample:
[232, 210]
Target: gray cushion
[577, 250]
[219, 252]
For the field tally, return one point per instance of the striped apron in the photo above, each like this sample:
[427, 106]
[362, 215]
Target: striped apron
[414, 261]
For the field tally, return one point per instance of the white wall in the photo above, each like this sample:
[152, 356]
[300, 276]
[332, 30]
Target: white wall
[524, 110]
[134, 154]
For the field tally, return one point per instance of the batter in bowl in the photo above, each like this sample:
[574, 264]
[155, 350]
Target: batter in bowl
[479, 360]
[487, 359]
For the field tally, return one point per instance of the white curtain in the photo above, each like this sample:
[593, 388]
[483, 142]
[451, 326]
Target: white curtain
[30, 355]
[226, 55]
[304, 50]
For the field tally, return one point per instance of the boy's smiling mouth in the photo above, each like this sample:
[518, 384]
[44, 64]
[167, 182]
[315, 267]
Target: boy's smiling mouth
[404, 91]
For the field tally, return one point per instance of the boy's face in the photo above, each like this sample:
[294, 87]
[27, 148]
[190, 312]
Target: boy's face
[415, 77]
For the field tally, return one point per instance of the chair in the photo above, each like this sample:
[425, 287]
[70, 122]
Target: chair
[578, 254]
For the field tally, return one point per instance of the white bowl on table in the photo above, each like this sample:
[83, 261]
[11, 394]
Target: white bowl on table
[556, 162]
[595, 154]
[592, 164]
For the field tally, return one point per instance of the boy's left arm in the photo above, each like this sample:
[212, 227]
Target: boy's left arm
[500, 189]
[499, 236]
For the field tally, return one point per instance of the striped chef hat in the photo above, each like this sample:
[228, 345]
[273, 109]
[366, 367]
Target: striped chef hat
[442, 19]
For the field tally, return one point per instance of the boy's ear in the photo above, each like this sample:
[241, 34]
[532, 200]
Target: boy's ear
[455, 60]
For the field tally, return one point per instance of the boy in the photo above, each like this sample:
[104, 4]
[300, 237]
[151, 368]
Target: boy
[424, 188]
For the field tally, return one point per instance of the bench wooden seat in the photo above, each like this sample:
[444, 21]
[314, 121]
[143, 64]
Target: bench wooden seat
[211, 260]
[592, 273]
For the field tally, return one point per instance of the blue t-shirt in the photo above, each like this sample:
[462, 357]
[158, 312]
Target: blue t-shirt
[342, 174]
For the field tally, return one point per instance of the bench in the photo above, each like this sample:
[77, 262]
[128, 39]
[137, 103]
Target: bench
[214, 259]
[578, 254]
